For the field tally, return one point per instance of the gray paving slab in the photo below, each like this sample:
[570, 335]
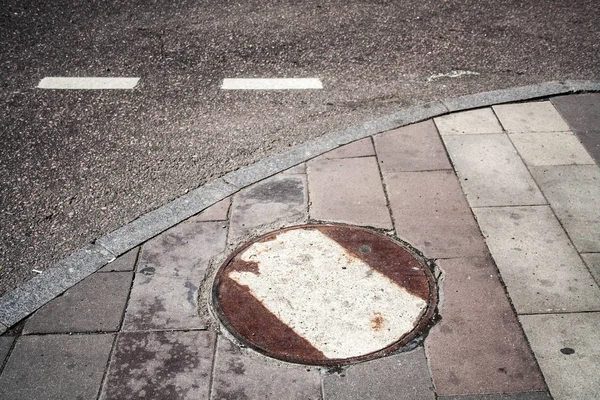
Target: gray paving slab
[216, 212]
[540, 267]
[125, 262]
[491, 172]
[160, 365]
[581, 111]
[281, 199]
[165, 292]
[56, 367]
[348, 191]
[5, 345]
[574, 194]
[566, 346]
[591, 142]
[95, 304]
[480, 121]
[431, 213]
[401, 376]
[360, 148]
[39, 290]
[502, 396]
[238, 375]
[550, 148]
[414, 147]
[592, 260]
[298, 169]
[538, 116]
[478, 346]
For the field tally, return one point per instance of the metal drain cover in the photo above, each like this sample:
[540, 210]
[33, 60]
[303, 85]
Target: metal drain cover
[324, 294]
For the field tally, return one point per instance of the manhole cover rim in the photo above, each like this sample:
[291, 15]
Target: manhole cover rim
[425, 319]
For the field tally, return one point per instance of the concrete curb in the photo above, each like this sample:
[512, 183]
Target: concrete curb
[27, 298]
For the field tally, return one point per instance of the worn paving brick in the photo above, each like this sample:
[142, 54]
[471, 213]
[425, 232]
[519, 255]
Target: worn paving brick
[95, 304]
[581, 111]
[401, 376]
[5, 345]
[240, 376]
[431, 213]
[491, 172]
[566, 346]
[574, 193]
[414, 147]
[56, 367]
[478, 346]
[550, 148]
[126, 262]
[360, 148]
[160, 365]
[592, 260]
[530, 117]
[349, 191]
[480, 121]
[502, 396]
[216, 212]
[280, 199]
[538, 263]
[165, 290]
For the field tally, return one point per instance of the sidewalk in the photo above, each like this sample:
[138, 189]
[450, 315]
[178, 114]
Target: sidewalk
[504, 199]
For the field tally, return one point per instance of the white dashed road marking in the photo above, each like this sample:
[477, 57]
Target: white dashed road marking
[88, 83]
[271, 83]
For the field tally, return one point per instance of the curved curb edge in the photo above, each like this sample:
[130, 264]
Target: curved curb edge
[33, 294]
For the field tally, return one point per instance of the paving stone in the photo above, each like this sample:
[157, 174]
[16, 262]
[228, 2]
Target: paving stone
[238, 375]
[279, 199]
[184, 250]
[5, 344]
[360, 148]
[216, 212]
[165, 290]
[468, 122]
[566, 346]
[550, 148]
[574, 194]
[123, 263]
[56, 367]
[431, 213]
[591, 142]
[478, 346]
[160, 365]
[414, 147]
[502, 396]
[298, 169]
[592, 260]
[349, 191]
[540, 267]
[530, 117]
[402, 376]
[581, 111]
[95, 304]
[491, 172]
[164, 302]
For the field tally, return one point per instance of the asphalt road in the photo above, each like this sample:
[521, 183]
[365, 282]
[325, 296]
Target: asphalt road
[75, 165]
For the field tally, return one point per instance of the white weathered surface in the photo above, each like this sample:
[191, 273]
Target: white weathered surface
[87, 83]
[271, 83]
[337, 302]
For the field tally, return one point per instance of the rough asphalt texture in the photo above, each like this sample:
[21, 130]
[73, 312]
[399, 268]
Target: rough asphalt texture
[76, 165]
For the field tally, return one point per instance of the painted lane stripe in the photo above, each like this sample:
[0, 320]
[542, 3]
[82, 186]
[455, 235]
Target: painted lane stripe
[87, 83]
[271, 83]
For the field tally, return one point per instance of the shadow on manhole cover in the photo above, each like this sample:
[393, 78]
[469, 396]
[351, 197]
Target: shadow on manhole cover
[325, 294]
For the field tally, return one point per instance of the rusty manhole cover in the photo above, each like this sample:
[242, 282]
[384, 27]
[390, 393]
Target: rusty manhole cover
[325, 294]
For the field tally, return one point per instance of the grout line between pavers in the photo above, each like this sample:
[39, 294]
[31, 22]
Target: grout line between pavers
[384, 188]
[24, 300]
[211, 378]
[561, 312]
[103, 381]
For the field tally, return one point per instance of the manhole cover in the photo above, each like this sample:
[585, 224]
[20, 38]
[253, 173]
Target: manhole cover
[324, 294]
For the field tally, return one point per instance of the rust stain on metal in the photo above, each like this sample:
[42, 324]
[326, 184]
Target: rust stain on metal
[377, 321]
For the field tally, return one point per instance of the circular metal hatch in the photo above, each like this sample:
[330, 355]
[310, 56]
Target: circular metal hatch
[324, 294]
